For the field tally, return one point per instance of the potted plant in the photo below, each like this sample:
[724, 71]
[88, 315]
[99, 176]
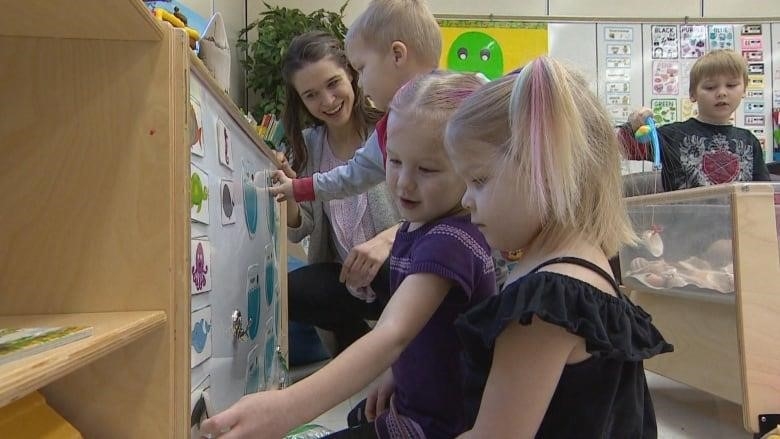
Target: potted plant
[262, 59]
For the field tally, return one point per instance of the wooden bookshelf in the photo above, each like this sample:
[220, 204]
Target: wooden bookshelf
[86, 19]
[110, 331]
[98, 168]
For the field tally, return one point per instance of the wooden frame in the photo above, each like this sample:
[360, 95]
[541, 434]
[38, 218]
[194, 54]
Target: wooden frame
[727, 348]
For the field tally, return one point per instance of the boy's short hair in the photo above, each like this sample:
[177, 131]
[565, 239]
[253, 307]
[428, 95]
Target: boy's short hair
[407, 21]
[718, 62]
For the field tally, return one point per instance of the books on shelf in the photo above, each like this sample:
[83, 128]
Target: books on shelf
[271, 130]
[16, 343]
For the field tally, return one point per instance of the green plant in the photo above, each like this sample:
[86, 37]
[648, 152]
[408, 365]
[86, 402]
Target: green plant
[262, 57]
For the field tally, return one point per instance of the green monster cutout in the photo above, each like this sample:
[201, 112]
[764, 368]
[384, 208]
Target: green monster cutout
[199, 192]
[476, 52]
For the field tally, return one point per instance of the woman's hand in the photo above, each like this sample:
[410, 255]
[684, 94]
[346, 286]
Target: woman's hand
[285, 165]
[378, 398]
[258, 415]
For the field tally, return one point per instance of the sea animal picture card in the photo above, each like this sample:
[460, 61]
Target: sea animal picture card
[224, 145]
[199, 195]
[200, 266]
[196, 128]
[200, 336]
[227, 191]
[200, 406]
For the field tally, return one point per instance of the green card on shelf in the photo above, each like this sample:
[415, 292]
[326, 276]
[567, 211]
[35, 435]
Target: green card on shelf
[16, 343]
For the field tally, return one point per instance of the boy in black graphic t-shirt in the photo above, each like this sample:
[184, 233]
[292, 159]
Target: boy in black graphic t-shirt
[705, 149]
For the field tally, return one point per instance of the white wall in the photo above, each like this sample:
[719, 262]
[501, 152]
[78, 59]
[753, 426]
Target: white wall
[558, 8]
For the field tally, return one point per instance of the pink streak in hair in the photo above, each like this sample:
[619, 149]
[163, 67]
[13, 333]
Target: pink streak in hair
[540, 100]
[460, 93]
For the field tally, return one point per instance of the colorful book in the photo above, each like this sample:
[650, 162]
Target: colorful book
[16, 343]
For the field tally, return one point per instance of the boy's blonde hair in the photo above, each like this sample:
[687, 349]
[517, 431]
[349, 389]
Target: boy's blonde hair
[407, 21]
[718, 62]
[431, 99]
[546, 127]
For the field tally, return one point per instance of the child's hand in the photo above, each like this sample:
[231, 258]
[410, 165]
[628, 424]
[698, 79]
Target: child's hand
[259, 415]
[638, 117]
[285, 165]
[378, 398]
[364, 261]
[283, 190]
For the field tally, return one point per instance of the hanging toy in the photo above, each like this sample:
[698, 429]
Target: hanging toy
[648, 133]
[651, 238]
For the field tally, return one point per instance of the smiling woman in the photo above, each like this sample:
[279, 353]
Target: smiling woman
[327, 119]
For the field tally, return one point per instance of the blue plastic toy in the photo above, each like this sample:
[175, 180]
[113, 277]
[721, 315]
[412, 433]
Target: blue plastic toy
[649, 134]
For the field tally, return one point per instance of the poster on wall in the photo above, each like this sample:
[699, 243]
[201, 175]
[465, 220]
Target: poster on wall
[693, 40]
[665, 45]
[620, 63]
[490, 47]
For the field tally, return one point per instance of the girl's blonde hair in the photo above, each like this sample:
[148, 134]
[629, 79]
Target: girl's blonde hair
[546, 127]
[434, 97]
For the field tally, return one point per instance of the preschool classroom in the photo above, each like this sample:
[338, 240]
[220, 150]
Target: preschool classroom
[144, 264]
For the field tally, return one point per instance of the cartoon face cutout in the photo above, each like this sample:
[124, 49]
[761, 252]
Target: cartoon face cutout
[476, 52]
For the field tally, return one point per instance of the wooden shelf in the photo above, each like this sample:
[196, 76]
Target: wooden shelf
[86, 19]
[111, 330]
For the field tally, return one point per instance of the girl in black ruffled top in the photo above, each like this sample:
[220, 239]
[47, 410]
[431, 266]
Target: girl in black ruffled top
[562, 346]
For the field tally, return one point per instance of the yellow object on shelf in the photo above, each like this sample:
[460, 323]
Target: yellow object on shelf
[163, 15]
[31, 418]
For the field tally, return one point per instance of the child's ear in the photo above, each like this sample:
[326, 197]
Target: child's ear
[400, 52]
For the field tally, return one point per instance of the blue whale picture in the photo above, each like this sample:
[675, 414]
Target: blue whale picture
[200, 332]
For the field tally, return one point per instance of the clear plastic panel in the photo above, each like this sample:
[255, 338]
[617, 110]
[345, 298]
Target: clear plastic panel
[684, 248]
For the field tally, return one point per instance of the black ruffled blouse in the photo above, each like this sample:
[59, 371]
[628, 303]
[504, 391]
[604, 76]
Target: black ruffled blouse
[604, 396]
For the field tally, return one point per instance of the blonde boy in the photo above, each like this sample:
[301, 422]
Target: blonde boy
[706, 149]
[390, 43]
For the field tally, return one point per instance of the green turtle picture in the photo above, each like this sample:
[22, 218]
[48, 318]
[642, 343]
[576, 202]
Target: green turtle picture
[199, 192]
[476, 52]
[199, 195]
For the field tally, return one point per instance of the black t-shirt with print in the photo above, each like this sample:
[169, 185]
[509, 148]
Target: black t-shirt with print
[695, 153]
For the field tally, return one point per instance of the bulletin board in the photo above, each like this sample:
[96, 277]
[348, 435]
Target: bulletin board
[235, 246]
[490, 47]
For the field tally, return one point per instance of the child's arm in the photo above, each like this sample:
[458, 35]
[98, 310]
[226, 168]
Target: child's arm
[272, 414]
[363, 171]
[527, 364]
[364, 260]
